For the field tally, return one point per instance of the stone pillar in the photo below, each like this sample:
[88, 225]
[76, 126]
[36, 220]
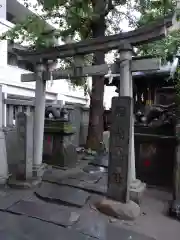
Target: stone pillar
[3, 153]
[119, 148]
[40, 96]
[126, 89]
[22, 165]
[175, 204]
[133, 168]
[25, 146]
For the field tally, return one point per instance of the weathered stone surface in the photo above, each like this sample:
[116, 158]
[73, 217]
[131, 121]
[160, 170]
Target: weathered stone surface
[174, 209]
[137, 192]
[92, 224]
[10, 197]
[65, 194]
[3, 154]
[104, 180]
[18, 184]
[58, 147]
[38, 171]
[90, 152]
[101, 161]
[89, 178]
[88, 157]
[60, 215]
[106, 135]
[96, 226]
[21, 228]
[25, 143]
[119, 149]
[89, 187]
[53, 175]
[94, 169]
[124, 211]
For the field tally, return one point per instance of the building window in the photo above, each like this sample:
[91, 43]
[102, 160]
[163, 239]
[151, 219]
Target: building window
[12, 59]
[10, 17]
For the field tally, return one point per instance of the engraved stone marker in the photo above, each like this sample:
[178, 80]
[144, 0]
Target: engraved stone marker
[119, 151]
[25, 145]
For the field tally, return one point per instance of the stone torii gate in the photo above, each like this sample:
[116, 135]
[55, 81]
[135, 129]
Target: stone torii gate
[123, 42]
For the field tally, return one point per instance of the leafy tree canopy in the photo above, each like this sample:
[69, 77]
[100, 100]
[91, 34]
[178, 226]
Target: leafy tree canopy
[167, 47]
[72, 19]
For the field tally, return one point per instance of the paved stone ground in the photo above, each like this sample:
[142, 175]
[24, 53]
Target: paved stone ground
[57, 210]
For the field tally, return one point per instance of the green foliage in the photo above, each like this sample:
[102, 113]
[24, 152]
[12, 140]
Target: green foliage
[71, 18]
[177, 86]
[168, 46]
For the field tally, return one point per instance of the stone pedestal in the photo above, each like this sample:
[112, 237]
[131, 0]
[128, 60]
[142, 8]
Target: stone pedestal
[58, 148]
[3, 159]
[22, 176]
[137, 189]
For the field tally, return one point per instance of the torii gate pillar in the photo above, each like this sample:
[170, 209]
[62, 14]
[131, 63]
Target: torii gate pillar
[40, 98]
[126, 89]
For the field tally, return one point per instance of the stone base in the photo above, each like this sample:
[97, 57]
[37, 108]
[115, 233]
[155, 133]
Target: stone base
[88, 157]
[137, 189]
[20, 184]
[38, 171]
[174, 209]
[3, 180]
[123, 211]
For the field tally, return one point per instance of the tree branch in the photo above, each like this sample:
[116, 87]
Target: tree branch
[110, 7]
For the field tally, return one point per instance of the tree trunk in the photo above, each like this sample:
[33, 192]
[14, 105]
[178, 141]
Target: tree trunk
[95, 129]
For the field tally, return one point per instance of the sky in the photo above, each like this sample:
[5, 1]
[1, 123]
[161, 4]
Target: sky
[109, 91]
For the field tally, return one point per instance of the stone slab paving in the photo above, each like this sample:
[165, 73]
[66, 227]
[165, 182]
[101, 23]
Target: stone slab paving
[59, 215]
[55, 174]
[154, 220]
[94, 169]
[101, 161]
[93, 182]
[8, 197]
[89, 187]
[64, 194]
[89, 178]
[94, 225]
[14, 227]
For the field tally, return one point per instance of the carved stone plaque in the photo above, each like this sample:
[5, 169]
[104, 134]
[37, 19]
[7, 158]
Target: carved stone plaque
[25, 143]
[120, 133]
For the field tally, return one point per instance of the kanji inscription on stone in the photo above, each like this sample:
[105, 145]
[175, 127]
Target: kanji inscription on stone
[25, 142]
[120, 134]
[120, 111]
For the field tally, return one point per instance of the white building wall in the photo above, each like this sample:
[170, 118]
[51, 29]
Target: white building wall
[11, 76]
